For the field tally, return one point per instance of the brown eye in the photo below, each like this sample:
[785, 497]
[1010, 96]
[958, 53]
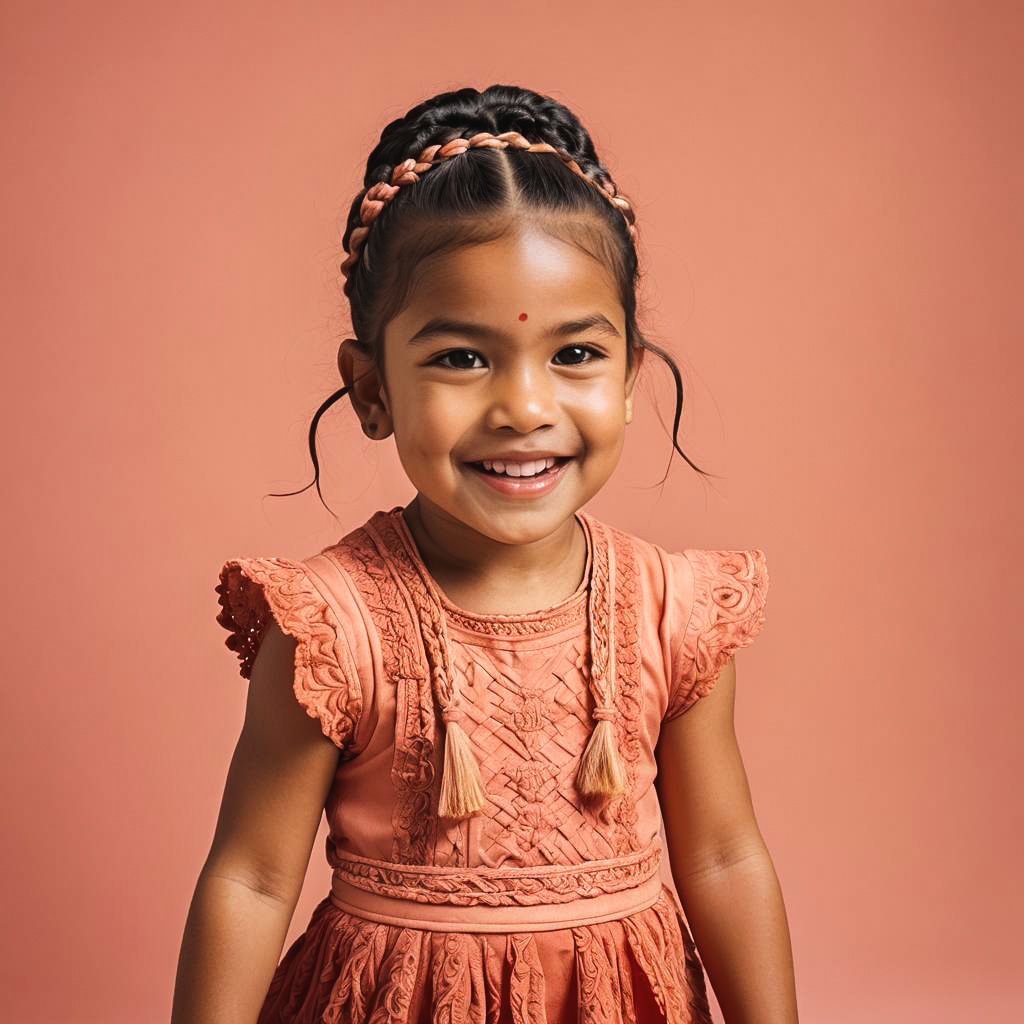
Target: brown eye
[455, 354]
[580, 349]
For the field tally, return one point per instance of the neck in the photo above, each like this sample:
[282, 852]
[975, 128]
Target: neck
[481, 574]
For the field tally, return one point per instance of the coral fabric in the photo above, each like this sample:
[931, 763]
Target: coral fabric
[546, 906]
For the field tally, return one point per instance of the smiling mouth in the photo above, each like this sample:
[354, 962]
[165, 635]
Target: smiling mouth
[520, 470]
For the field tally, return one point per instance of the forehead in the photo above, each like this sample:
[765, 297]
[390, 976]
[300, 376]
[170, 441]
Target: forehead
[526, 269]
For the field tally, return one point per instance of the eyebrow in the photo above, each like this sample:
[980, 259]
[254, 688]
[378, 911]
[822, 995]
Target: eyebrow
[440, 325]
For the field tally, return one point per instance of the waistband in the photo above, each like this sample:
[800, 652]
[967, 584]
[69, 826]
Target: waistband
[542, 898]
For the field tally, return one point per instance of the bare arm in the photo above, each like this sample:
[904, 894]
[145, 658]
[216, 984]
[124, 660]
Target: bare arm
[721, 866]
[278, 780]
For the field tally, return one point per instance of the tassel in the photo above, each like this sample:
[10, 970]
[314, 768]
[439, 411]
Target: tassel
[462, 792]
[600, 772]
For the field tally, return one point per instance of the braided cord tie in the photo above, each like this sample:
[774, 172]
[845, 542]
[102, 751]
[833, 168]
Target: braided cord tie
[600, 771]
[462, 792]
[408, 172]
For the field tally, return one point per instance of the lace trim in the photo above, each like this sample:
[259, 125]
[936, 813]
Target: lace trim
[326, 682]
[730, 591]
[498, 887]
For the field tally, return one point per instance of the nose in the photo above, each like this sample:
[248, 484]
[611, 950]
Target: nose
[522, 398]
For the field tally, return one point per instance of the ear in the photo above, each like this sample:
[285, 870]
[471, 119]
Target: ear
[638, 358]
[367, 389]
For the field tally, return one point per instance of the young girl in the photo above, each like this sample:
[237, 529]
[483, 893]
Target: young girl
[497, 698]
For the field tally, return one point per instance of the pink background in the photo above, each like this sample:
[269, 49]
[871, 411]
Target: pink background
[829, 205]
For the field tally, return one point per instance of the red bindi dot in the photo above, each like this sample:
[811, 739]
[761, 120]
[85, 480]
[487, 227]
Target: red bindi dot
[522, 316]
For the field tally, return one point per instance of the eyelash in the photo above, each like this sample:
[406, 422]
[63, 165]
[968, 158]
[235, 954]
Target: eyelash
[444, 355]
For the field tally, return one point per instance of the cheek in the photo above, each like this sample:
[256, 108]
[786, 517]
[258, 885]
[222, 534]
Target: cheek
[428, 420]
[601, 423]
[601, 412]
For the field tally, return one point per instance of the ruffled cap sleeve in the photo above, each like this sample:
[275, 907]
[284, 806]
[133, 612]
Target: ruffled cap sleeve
[326, 682]
[727, 612]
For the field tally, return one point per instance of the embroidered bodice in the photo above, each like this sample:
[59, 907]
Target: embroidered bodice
[382, 653]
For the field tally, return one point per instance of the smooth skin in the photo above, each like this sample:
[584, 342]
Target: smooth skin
[554, 381]
[277, 783]
[501, 383]
[720, 864]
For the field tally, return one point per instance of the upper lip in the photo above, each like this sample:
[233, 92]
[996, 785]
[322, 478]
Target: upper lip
[521, 457]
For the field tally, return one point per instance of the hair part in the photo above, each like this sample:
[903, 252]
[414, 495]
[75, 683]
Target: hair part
[475, 198]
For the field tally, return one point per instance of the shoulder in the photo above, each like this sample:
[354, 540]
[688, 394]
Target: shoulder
[694, 573]
[656, 566]
[315, 602]
[703, 603]
[720, 610]
[729, 584]
[735, 577]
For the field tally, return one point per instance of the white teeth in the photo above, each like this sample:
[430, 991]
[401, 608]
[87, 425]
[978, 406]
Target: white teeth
[519, 468]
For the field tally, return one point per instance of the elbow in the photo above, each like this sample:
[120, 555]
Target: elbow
[715, 859]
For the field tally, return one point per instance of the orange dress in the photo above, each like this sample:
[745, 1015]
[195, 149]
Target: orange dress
[545, 906]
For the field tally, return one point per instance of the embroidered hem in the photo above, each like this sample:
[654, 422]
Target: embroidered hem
[346, 970]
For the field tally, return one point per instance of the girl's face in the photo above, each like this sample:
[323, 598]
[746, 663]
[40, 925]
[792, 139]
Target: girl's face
[513, 351]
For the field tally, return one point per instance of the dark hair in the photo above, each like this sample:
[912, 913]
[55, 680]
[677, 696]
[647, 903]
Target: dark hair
[472, 198]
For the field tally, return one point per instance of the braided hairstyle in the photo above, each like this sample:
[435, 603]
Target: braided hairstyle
[471, 199]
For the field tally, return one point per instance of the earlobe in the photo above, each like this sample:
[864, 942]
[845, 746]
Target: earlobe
[365, 388]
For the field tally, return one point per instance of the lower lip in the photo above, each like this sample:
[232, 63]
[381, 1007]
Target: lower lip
[522, 486]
